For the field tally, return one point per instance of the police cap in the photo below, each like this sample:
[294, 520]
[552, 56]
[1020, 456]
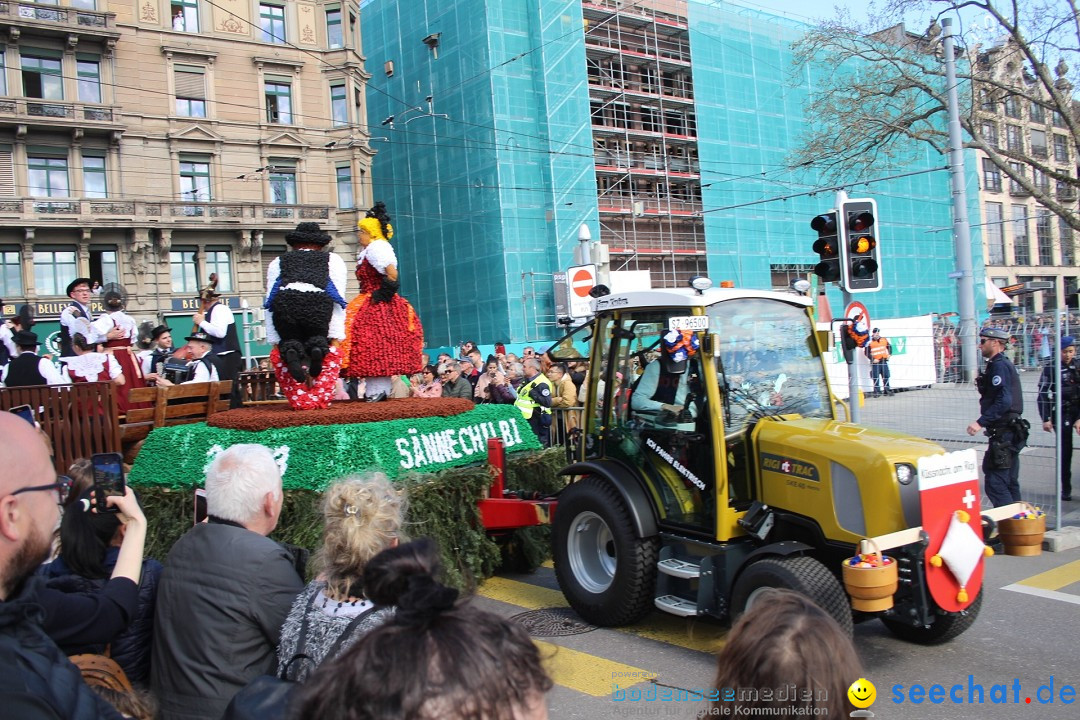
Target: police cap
[995, 334]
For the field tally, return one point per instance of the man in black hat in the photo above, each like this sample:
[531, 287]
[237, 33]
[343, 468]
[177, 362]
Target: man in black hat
[1001, 404]
[28, 368]
[159, 352]
[200, 369]
[77, 318]
[1070, 406]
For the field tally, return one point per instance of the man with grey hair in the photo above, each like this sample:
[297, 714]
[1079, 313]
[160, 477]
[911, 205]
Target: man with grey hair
[453, 385]
[225, 591]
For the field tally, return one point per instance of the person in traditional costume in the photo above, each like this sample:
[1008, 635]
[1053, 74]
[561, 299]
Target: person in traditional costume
[119, 344]
[305, 317]
[383, 332]
[88, 365]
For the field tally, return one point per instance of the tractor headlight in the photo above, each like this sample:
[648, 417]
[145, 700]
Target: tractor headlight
[904, 473]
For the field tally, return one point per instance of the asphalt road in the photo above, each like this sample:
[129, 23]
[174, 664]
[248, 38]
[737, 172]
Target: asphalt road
[1019, 637]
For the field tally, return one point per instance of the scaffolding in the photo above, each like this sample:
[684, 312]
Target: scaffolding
[648, 178]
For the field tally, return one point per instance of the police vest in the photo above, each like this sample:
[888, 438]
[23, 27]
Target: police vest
[524, 401]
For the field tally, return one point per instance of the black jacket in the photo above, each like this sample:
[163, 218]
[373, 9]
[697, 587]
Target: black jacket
[37, 682]
[130, 648]
[1000, 395]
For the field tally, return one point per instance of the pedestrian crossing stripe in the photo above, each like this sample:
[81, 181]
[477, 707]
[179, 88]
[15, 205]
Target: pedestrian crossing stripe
[1054, 579]
[689, 633]
[587, 673]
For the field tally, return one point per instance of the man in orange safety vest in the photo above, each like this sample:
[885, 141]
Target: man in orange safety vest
[879, 350]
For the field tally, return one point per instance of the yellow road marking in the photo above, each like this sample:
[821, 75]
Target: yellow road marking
[683, 632]
[1055, 579]
[549, 564]
[587, 673]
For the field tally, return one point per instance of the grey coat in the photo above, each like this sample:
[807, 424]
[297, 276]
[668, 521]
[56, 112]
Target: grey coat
[223, 597]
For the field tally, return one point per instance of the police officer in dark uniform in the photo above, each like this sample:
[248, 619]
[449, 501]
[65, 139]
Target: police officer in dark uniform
[1070, 407]
[1000, 404]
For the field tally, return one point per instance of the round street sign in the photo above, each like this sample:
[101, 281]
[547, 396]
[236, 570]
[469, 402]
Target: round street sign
[582, 281]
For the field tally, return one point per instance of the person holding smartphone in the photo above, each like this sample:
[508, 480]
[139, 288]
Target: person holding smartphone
[90, 547]
[36, 678]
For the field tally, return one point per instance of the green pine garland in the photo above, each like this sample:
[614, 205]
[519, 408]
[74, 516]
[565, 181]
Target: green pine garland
[315, 455]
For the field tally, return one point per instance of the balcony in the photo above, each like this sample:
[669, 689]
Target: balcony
[53, 114]
[176, 214]
[58, 21]
[1066, 194]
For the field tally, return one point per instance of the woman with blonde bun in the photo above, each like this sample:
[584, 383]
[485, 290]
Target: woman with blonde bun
[362, 517]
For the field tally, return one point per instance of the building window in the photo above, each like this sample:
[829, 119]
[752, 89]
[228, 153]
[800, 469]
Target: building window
[10, 272]
[95, 184]
[1038, 143]
[184, 270]
[283, 186]
[1021, 244]
[89, 72]
[1059, 119]
[1038, 112]
[1068, 250]
[1013, 139]
[190, 85]
[47, 176]
[3, 75]
[339, 105]
[103, 264]
[279, 103]
[272, 22]
[84, 4]
[1044, 237]
[53, 270]
[218, 261]
[41, 77]
[986, 100]
[344, 188]
[991, 175]
[334, 36]
[1012, 107]
[1061, 148]
[995, 240]
[1040, 180]
[1017, 169]
[185, 15]
[990, 135]
[195, 180]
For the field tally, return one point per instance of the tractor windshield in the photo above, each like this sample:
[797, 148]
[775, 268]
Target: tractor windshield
[766, 361]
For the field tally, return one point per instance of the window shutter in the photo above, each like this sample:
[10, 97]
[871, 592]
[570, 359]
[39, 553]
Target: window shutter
[190, 85]
[7, 174]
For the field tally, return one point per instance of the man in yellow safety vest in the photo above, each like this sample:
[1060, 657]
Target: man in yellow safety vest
[879, 350]
[534, 401]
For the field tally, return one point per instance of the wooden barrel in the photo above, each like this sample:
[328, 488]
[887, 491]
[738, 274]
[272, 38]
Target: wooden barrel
[1022, 536]
[871, 588]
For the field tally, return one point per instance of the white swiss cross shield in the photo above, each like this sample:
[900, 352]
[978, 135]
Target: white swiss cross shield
[949, 483]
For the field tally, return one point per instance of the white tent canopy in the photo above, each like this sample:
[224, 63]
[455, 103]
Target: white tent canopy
[994, 293]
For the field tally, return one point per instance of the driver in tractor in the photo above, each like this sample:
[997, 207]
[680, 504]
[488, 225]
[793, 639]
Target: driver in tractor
[663, 396]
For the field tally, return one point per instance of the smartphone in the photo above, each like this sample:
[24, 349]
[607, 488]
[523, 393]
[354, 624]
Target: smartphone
[108, 479]
[25, 412]
[200, 505]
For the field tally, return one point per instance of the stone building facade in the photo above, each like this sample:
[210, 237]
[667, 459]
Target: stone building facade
[153, 142]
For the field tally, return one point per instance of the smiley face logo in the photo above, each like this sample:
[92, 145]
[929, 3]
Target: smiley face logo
[862, 693]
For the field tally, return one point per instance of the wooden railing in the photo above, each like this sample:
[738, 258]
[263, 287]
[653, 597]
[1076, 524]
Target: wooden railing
[80, 419]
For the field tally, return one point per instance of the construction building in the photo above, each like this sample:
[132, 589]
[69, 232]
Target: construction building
[152, 143]
[662, 126]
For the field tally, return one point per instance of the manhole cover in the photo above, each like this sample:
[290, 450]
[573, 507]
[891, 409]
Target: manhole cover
[553, 622]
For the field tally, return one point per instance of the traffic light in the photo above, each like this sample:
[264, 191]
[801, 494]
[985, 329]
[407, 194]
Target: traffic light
[860, 256]
[827, 246]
